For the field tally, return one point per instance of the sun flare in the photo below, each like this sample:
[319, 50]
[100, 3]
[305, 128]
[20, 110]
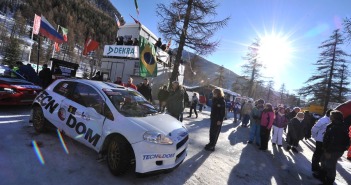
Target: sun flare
[274, 50]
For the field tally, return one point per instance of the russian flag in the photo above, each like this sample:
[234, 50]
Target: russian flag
[47, 30]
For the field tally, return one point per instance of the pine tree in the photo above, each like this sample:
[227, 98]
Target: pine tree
[12, 48]
[189, 23]
[252, 67]
[220, 76]
[282, 91]
[321, 85]
[270, 90]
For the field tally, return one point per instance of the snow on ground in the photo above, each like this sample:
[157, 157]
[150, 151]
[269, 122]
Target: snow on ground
[233, 162]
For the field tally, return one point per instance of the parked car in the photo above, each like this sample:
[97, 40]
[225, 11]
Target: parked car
[15, 89]
[115, 121]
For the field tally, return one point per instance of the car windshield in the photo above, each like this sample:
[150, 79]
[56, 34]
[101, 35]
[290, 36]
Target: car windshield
[130, 103]
[6, 72]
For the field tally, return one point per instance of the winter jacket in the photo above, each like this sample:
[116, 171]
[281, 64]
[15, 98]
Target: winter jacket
[247, 108]
[202, 99]
[336, 137]
[318, 129]
[255, 117]
[267, 119]
[175, 101]
[162, 95]
[218, 109]
[280, 121]
[131, 86]
[145, 90]
[296, 129]
[194, 101]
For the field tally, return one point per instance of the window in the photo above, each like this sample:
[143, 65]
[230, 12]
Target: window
[63, 88]
[87, 96]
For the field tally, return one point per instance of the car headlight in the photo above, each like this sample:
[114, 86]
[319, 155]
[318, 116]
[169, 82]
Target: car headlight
[9, 90]
[158, 138]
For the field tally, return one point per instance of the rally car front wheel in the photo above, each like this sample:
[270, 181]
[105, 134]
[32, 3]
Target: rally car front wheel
[118, 156]
[39, 121]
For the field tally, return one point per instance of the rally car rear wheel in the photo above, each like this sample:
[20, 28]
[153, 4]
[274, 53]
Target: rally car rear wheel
[39, 121]
[118, 156]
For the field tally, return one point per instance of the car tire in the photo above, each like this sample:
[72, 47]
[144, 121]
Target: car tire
[119, 156]
[39, 121]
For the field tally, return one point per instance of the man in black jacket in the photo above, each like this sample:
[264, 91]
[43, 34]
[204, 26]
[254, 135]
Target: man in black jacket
[45, 76]
[335, 142]
[145, 90]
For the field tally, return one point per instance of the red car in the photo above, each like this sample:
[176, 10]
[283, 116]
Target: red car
[15, 89]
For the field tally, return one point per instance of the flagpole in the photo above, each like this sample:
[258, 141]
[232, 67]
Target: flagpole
[53, 47]
[31, 47]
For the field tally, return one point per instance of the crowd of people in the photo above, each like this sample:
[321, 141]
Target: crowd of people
[330, 132]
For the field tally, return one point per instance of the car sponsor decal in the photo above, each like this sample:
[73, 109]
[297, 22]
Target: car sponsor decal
[81, 129]
[46, 101]
[72, 110]
[62, 114]
[158, 156]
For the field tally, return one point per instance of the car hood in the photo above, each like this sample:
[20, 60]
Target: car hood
[163, 123]
[19, 82]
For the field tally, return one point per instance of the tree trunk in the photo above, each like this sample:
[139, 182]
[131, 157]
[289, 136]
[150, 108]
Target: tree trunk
[182, 38]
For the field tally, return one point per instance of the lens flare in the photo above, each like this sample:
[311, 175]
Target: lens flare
[37, 152]
[62, 141]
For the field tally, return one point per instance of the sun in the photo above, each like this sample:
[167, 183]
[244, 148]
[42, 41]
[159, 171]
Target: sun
[275, 52]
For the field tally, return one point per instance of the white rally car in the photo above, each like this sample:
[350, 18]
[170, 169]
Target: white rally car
[115, 121]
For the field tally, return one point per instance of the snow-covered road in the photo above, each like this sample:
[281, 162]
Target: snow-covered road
[233, 162]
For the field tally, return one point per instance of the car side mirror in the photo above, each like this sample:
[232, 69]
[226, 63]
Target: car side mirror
[91, 112]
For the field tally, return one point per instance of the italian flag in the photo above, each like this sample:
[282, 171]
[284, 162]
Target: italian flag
[64, 33]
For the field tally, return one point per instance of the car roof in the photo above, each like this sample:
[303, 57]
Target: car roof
[98, 84]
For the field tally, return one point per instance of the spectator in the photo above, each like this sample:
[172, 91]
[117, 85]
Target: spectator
[293, 113]
[130, 84]
[97, 76]
[255, 122]
[120, 40]
[202, 102]
[162, 98]
[28, 72]
[318, 131]
[135, 42]
[335, 143]
[145, 90]
[227, 107]
[309, 124]
[193, 105]
[279, 124]
[267, 119]
[175, 101]
[129, 42]
[217, 115]
[119, 81]
[158, 43]
[45, 76]
[296, 131]
[247, 108]
[237, 108]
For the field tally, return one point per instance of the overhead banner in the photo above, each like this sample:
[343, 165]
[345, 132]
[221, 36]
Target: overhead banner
[121, 51]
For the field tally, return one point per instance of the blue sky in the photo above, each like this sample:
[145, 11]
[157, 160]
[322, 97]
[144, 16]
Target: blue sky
[302, 24]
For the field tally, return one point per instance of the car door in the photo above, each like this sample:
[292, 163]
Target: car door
[84, 119]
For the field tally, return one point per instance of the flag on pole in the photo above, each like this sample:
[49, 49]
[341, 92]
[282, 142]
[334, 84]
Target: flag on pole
[64, 33]
[90, 45]
[117, 21]
[136, 6]
[136, 21]
[36, 24]
[47, 30]
[57, 47]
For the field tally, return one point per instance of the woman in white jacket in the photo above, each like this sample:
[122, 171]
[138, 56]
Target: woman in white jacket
[318, 131]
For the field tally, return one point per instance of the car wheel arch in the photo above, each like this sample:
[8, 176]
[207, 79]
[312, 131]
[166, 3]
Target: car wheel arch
[111, 137]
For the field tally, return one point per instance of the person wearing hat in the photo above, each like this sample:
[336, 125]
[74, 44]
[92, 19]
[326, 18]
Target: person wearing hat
[279, 124]
[145, 90]
[296, 131]
[255, 122]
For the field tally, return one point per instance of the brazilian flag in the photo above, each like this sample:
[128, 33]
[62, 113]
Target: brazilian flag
[147, 55]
